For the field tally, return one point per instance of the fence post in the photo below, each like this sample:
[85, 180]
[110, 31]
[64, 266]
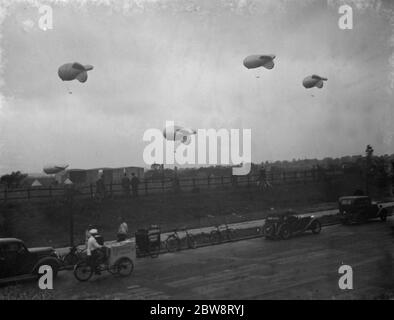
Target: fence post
[194, 183]
[162, 184]
[50, 191]
[91, 190]
[222, 180]
[146, 186]
[209, 180]
[28, 193]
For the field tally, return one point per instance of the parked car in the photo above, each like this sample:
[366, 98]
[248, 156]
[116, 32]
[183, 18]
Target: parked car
[17, 261]
[355, 209]
[287, 224]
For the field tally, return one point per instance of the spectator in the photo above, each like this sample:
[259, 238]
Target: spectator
[262, 179]
[100, 188]
[134, 185]
[123, 230]
[126, 185]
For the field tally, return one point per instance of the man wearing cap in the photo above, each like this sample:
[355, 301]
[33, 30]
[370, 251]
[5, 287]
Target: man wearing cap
[93, 250]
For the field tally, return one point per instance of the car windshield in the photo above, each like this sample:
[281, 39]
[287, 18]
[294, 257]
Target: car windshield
[363, 202]
[346, 202]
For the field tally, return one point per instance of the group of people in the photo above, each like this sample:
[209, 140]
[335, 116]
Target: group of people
[127, 184]
[95, 248]
[133, 182]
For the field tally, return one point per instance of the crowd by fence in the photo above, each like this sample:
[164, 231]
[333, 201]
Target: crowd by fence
[150, 186]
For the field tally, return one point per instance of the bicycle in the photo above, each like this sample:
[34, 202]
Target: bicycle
[174, 241]
[117, 260]
[219, 234]
[74, 256]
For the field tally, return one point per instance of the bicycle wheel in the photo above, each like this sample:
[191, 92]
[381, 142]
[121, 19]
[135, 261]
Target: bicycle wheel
[124, 267]
[231, 235]
[191, 242]
[154, 251]
[215, 237]
[172, 244]
[83, 271]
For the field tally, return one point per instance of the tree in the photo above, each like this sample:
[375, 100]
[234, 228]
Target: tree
[13, 180]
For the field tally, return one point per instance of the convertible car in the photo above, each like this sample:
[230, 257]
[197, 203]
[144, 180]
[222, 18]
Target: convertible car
[287, 224]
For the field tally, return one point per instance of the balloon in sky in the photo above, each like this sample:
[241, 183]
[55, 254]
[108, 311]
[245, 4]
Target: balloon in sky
[178, 133]
[313, 81]
[256, 61]
[52, 169]
[71, 71]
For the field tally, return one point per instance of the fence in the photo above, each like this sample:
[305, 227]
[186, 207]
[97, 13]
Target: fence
[147, 187]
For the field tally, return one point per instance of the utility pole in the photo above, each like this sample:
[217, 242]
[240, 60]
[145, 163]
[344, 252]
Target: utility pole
[69, 193]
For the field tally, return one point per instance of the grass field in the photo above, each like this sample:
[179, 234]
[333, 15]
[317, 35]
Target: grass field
[48, 222]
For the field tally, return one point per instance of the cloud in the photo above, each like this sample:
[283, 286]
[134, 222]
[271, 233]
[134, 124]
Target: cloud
[182, 60]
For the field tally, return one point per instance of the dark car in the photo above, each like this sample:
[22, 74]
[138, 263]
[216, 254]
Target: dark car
[17, 261]
[354, 209]
[287, 224]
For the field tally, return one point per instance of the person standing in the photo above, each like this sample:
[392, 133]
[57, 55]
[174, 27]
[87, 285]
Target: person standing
[123, 230]
[100, 188]
[134, 185]
[126, 185]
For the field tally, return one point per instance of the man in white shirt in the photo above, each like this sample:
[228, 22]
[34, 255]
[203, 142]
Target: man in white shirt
[123, 230]
[93, 250]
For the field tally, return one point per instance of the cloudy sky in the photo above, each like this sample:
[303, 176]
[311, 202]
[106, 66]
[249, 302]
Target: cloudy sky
[181, 60]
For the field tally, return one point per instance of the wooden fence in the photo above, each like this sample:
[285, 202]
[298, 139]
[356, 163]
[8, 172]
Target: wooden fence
[147, 187]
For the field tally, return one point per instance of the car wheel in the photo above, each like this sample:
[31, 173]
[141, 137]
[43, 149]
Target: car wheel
[54, 267]
[383, 216]
[268, 231]
[316, 227]
[285, 233]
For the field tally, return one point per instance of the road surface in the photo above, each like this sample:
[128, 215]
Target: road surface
[304, 267]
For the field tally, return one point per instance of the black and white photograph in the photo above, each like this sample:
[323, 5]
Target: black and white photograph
[213, 152]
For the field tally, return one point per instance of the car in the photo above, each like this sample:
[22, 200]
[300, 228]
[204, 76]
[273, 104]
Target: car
[287, 224]
[356, 209]
[19, 262]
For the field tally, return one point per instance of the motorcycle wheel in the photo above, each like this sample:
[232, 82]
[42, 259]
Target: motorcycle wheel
[83, 271]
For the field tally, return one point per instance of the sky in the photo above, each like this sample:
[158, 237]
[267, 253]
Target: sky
[181, 60]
